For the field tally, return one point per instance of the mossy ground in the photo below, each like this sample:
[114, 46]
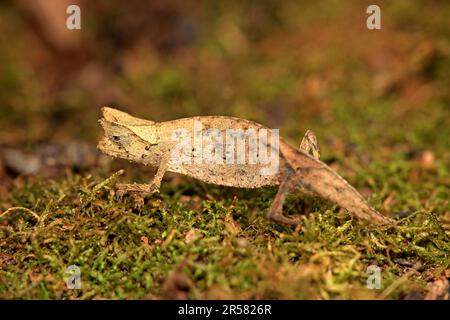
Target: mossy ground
[378, 102]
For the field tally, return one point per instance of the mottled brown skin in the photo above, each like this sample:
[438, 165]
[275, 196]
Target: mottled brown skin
[317, 178]
[147, 144]
[150, 143]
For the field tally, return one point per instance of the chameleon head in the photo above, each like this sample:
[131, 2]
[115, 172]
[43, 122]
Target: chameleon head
[116, 140]
[117, 116]
[125, 136]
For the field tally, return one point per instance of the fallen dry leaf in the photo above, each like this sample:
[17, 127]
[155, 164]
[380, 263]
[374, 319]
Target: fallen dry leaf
[144, 241]
[191, 236]
[177, 285]
[427, 159]
[439, 290]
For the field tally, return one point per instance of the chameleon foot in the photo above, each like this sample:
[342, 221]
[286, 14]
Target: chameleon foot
[283, 219]
[123, 189]
[138, 191]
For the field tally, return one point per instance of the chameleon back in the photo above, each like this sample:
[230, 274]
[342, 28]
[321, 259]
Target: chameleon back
[222, 150]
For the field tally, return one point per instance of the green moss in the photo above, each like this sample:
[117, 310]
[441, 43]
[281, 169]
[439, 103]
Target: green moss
[104, 237]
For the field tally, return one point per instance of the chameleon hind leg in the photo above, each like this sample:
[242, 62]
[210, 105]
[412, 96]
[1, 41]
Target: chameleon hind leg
[276, 209]
[289, 184]
[309, 144]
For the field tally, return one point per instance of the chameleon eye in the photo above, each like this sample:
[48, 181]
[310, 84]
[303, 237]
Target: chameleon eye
[116, 138]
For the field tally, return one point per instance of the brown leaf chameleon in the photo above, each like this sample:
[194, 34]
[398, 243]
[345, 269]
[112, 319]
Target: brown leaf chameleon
[154, 144]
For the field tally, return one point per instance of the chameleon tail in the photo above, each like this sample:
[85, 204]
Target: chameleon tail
[316, 177]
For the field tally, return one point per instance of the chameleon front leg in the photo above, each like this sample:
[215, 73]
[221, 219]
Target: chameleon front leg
[309, 146]
[150, 188]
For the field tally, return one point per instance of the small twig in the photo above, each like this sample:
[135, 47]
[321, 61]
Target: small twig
[92, 194]
[394, 285]
[31, 212]
[107, 181]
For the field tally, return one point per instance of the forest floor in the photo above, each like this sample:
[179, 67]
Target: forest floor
[378, 101]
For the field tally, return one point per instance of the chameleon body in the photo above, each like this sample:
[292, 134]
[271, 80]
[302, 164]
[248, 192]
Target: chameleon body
[152, 143]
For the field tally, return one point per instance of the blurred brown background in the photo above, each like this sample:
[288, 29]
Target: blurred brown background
[293, 65]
